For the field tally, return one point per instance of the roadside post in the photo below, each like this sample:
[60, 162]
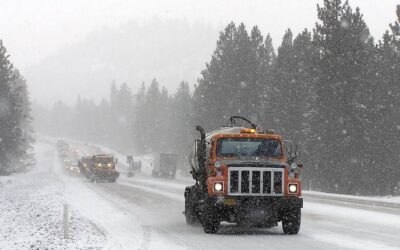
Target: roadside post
[129, 160]
[65, 220]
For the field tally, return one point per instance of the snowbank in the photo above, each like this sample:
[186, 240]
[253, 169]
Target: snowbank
[371, 199]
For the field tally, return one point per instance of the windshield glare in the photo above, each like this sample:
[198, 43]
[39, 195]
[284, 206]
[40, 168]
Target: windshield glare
[236, 147]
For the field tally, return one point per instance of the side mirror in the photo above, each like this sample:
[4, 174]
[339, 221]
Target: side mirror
[291, 149]
[116, 160]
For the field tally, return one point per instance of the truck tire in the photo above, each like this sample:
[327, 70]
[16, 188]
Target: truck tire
[209, 219]
[210, 225]
[190, 214]
[291, 222]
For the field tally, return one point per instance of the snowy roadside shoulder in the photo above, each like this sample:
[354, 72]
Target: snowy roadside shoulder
[395, 200]
[31, 212]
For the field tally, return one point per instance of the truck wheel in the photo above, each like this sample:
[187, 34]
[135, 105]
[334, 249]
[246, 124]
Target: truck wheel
[291, 222]
[190, 214]
[211, 226]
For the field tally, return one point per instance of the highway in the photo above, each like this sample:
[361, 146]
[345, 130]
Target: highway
[143, 212]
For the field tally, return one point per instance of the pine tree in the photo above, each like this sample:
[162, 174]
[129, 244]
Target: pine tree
[341, 37]
[139, 125]
[148, 121]
[213, 95]
[281, 102]
[267, 60]
[15, 118]
[152, 119]
[181, 125]
[233, 82]
[292, 90]
[102, 118]
[22, 115]
[6, 130]
[164, 120]
[303, 93]
[382, 111]
[124, 106]
[379, 99]
[395, 28]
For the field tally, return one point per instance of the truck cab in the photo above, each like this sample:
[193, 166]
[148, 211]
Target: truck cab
[244, 176]
[102, 167]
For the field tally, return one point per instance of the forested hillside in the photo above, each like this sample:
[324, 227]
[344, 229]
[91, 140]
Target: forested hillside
[334, 90]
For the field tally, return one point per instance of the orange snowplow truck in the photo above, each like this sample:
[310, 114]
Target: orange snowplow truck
[244, 176]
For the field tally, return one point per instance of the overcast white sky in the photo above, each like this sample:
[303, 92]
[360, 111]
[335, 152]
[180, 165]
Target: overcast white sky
[31, 30]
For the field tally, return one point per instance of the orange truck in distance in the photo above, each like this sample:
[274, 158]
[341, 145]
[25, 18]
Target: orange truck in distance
[99, 168]
[244, 176]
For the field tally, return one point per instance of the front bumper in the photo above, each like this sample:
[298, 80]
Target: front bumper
[253, 210]
[280, 202]
[106, 174]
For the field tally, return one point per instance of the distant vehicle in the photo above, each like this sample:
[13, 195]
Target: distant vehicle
[83, 165]
[101, 168]
[164, 165]
[136, 165]
[74, 153]
[243, 176]
[72, 165]
[62, 148]
[129, 160]
[62, 145]
[133, 165]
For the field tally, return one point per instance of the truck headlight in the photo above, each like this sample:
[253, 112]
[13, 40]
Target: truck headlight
[218, 186]
[292, 188]
[109, 164]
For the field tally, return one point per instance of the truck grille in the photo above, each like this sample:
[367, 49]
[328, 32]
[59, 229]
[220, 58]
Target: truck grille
[255, 181]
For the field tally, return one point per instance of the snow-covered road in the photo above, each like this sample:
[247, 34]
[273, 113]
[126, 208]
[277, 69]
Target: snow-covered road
[158, 204]
[146, 213]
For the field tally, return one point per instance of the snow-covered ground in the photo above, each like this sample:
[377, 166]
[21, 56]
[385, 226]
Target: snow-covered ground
[31, 210]
[146, 213]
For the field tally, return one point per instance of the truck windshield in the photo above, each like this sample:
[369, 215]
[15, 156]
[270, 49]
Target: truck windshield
[104, 160]
[236, 147]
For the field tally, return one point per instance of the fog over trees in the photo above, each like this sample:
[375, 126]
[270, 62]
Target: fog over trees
[172, 50]
[334, 90]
